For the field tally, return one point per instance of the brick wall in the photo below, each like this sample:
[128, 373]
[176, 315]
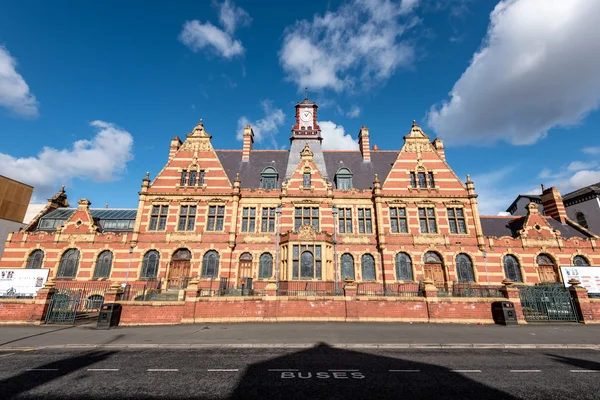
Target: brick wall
[595, 306]
[151, 313]
[17, 311]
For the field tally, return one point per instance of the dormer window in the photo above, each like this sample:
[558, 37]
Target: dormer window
[268, 178]
[343, 179]
[306, 180]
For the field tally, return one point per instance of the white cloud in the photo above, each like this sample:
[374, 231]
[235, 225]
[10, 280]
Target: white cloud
[361, 43]
[354, 112]
[197, 36]
[99, 159]
[232, 16]
[264, 128]
[335, 137]
[579, 165]
[537, 69]
[592, 150]
[14, 91]
[577, 180]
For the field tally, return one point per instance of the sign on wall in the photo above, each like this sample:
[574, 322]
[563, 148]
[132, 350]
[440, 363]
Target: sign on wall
[18, 282]
[588, 276]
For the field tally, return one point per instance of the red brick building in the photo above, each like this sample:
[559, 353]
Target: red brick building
[302, 214]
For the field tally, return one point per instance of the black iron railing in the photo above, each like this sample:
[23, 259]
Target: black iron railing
[390, 289]
[308, 288]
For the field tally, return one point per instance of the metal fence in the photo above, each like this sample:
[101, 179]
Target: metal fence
[390, 289]
[90, 294]
[469, 289]
[146, 291]
[305, 288]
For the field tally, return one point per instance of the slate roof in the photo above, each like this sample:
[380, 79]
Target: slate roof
[508, 226]
[592, 190]
[363, 172]
[532, 197]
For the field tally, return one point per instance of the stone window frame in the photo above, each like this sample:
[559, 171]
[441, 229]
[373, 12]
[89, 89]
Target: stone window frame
[362, 267]
[343, 256]
[217, 217]
[60, 273]
[410, 266]
[316, 249]
[32, 261]
[248, 221]
[456, 219]
[159, 216]
[398, 217]
[199, 177]
[144, 267]
[363, 222]
[307, 178]
[428, 219]
[586, 259]
[267, 217]
[97, 265]
[261, 266]
[187, 217]
[470, 265]
[344, 174]
[205, 259]
[266, 175]
[311, 217]
[519, 266]
[345, 221]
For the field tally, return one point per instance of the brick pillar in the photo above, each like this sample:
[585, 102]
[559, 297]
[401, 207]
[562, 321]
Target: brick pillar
[512, 294]
[582, 301]
[42, 302]
[248, 142]
[553, 204]
[350, 288]
[191, 295]
[113, 294]
[350, 292]
[431, 298]
[271, 288]
[363, 143]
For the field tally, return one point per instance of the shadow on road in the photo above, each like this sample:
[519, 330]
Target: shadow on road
[37, 334]
[575, 362]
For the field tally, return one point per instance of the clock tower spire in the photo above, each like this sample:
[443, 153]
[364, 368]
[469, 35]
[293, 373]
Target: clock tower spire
[306, 126]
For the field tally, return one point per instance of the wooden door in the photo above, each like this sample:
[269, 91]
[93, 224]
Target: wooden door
[179, 273]
[547, 273]
[245, 269]
[436, 273]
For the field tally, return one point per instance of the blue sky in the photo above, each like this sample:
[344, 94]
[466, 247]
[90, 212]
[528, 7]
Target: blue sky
[92, 92]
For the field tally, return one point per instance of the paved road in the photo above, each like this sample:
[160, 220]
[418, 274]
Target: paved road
[293, 333]
[321, 372]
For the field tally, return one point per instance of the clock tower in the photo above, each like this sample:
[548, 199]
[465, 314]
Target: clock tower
[306, 126]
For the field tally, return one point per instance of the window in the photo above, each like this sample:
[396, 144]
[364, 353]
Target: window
[201, 178]
[68, 264]
[216, 215]
[422, 180]
[158, 218]
[413, 180]
[267, 223]
[404, 270]
[398, 220]
[345, 220]
[343, 179]
[268, 178]
[35, 259]
[431, 181]
[456, 220]
[210, 264]
[306, 262]
[427, 220]
[365, 224]
[192, 179]
[512, 269]
[581, 219]
[347, 266]
[306, 180]
[103, 265]
[248, 219]
[187, 218]
[306, 216]
[579, 261]
[94, 302]
[464, 268]
[368, 267]
[150, 265]
[265, 269]
[183, 177]
[546, 269]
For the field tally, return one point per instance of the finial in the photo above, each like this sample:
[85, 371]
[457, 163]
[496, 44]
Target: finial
[201, 123]
[543, 187]
[468, 177]
[62, 189]
[237, 177]
[148, 175]
[306, 93]
[376, 178]
[414, 122]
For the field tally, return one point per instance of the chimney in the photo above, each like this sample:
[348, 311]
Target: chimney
[553, 204]
[438, 144]
[248, 142]
[363, 143]
[175, 145]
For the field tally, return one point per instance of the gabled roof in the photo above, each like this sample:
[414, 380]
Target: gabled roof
[510, 225]
[531, 197]
[587, 191]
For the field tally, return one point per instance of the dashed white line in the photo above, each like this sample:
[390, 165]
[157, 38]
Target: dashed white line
[103, 369]
[162, 369]
[466, 370]
[589, 371]
[9, 354]
[343, 370]
[223, 370]
[282, 370]
[42, 369]
[405, 370]
[525, 370]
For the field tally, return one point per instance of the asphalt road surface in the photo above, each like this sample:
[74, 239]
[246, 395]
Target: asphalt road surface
[321, 372]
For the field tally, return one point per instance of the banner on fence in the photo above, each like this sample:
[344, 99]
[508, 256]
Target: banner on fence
[18, 282]
[588, 276]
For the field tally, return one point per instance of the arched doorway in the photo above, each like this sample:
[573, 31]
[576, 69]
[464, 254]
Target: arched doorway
[547, 269]
[245, 268]
[434, 269]
[179, 271]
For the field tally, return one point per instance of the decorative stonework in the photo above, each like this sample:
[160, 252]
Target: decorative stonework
[306, 232]
[258, 239]
[356, 240]
[428, 240]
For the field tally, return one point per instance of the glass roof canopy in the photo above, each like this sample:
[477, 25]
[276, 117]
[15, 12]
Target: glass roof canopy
[118, 219]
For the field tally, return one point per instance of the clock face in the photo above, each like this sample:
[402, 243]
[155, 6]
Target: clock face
[306, 115]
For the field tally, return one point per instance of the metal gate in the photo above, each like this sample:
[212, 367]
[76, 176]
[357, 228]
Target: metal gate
[547, 303]
[63, 307]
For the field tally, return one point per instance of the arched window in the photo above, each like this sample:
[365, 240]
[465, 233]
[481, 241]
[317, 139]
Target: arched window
[546, 268]
[103, 265]
[368, 267]
[265, 269]
[580, 261]
[307, 265]
[404, 270]
[210, 264]
[347, 266]
[68, 264]
[432, 257]
[581, 219]
[343, 179]
[268, 178]
[94, 302]
[512, 270]
[150, 265]
[35, 259]
[464, 268]
[182, 255]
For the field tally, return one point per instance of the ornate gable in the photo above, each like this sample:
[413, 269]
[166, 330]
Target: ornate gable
[307, 174]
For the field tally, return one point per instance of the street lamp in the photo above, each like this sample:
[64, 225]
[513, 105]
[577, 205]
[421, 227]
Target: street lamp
[485, 266]
[334, 211]
[128, 267]
[277, 255]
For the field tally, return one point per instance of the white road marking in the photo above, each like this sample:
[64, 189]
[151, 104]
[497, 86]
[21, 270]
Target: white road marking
[162, 370]
[525, 370]
[585, 370]
[466, 370]
[282, 370]
[405, 370]
[103, 369]
[223, 370]
[42, 369]
[9, 354]
[343, 370]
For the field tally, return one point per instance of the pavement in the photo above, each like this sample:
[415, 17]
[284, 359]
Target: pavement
[318, 372]
[298, 335]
